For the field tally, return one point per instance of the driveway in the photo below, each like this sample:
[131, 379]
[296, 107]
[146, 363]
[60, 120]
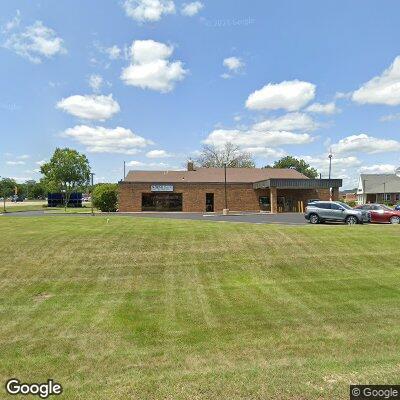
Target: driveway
[286, 218]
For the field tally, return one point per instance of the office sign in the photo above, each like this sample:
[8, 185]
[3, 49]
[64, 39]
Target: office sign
[162, 188]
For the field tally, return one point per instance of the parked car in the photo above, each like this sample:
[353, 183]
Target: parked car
[17, 199]
[321, 211]
[397, 208]
[381, 213]
[312, 201]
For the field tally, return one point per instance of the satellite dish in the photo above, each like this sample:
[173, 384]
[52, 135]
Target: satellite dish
[397, 172]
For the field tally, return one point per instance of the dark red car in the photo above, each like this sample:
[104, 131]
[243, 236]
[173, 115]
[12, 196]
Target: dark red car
[381, 213]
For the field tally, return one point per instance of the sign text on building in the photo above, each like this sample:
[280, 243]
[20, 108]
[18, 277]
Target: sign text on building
[162, 188]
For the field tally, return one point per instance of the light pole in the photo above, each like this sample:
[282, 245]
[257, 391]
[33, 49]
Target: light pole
[91, 192]
[226, 198]
[330, 172]
[4, 196]
[124, 170]
[384, 190]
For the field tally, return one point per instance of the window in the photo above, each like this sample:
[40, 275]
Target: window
[161, 201]
[336, 207]
[325, 206]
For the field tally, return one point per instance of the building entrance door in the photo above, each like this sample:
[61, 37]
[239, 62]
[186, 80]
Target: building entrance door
[265, 203]
[209, 202]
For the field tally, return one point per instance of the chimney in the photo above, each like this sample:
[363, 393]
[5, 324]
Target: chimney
[190, 165]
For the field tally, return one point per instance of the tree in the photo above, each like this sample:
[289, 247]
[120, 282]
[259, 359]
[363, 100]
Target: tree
[37, 191]
[229, 154]
[105, 197]
[297, 164]
[66, 171]
[7, 189]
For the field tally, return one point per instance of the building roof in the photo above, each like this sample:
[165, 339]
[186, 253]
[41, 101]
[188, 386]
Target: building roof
[213, 175]
[379, 183]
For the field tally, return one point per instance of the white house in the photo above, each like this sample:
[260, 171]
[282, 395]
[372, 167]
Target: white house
[378, 188]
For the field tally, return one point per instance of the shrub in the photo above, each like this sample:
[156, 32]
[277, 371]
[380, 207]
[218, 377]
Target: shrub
[351, 203]
[105, 197]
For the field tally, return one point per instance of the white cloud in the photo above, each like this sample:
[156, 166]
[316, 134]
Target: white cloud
[253, 138]
[233, 63]
[35, 43]
[289, 122]
[289, 95]
[266, 152]
[150, 166]
[328, 108]
[150, 67]
[14, 163]
[98, 139]
[157, 154]
[378, 169]
[191, 9]
[390, 117]
[322, 163]
[113, 52]
[13, 23]
[148, 10]
[20, 179]
[90, 106]
[95, 82]
[383, 89]
[41, 162]
[343, 95]
[135, 163]
[365, 144]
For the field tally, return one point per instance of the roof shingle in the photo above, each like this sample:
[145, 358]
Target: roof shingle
[213, 175]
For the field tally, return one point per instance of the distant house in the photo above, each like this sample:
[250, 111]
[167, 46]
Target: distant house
[378, 188]
[348, 195]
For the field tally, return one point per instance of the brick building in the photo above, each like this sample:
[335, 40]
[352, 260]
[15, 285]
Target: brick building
[203, 190]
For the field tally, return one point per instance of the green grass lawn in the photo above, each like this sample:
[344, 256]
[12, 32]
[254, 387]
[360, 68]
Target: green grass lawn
[39, 207]
[166, 309]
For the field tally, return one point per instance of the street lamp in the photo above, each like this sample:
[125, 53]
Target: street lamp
[330, 172]
[91, 199]
[226, 198]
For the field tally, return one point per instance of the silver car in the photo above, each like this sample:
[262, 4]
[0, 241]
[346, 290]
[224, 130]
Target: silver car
[321, 211]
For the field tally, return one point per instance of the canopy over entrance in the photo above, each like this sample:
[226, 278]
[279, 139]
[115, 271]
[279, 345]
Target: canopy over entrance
[298, 183]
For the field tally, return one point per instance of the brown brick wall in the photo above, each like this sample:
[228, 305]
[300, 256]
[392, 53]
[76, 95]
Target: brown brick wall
[241, 197]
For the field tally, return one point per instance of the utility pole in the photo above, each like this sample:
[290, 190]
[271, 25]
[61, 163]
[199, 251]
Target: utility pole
[330, 172]
[226, 198]
[384, 190]
[124, 170]
[91, 192]
[4, 197]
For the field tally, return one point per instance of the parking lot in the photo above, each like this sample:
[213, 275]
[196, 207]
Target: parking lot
[286, 218]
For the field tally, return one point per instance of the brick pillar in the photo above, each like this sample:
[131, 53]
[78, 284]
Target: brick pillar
[274, 199]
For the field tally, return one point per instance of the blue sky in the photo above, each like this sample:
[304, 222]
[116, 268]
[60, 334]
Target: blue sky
[151, 81]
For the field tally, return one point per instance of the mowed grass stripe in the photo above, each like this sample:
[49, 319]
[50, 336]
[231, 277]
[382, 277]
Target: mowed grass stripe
[147, 308]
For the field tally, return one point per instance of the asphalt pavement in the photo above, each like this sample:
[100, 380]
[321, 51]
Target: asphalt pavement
[284, 218]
